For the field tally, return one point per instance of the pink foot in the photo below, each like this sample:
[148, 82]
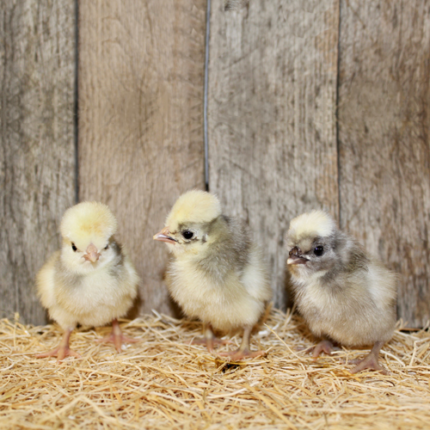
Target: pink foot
[324, 346]
[371, 364]
[61, 352]
[117, 337]
[239, 355]
[118, 341]
[209, 343]
[371, 360]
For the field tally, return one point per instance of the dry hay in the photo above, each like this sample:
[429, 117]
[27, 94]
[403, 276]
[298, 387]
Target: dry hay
[164, 383]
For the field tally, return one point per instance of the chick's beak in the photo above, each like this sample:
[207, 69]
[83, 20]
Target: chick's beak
[91, 253]
[295, 257]
[164, 236]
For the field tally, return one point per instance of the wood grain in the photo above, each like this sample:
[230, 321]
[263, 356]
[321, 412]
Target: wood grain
[384, 140]
[272, 130]
[141, 72]
[37, 162]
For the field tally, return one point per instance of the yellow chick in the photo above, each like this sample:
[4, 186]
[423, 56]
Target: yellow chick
[90, 281]
[344, 295]
[217, 274]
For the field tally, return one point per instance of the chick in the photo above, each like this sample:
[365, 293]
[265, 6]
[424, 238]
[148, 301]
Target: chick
[344, 295]
[90, 281]
[217, 273]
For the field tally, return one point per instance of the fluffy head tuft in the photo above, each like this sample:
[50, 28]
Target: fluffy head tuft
[193, 207]
[88, 222]
[315, 223]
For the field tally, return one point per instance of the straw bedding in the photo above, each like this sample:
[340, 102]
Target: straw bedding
[163, 382]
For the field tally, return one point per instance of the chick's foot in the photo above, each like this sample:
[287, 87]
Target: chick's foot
[209, 339]
[243, 351]
[324, 346]
[210, 343]
[62, 350]
[117, 337]
[239, 354]
[370, 361]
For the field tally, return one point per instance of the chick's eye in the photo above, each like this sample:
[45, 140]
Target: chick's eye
[74, 247]
[187, 234]
[319, 250]
[107, 246]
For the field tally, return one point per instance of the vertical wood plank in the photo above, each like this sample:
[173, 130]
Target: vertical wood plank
[384, 144]
[37, 162]
[272, 131]
[141, 72]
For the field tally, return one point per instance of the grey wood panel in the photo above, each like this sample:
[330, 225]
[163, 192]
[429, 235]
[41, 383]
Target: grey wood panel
[141, 74]
[272, 129]
[37, 162]
[384, 140]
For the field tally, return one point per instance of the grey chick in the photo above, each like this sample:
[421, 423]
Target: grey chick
[217, 274]
[344, 295]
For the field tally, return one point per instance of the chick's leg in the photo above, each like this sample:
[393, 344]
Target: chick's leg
[371, 361]
[243, 351]
[62, 350]
[117, 337]
[209, 339]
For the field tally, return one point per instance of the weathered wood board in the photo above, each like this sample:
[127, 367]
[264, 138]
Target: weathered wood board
[384, 114]
[141, 74]
[37, 162]
[272, 128]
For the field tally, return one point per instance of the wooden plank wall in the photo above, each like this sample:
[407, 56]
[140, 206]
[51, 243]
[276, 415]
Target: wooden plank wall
[37, 160]
[141, 72]
[322, 103]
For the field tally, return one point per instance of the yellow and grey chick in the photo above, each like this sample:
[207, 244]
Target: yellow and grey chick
[344, 295]
[217, 273]
[90, 281]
